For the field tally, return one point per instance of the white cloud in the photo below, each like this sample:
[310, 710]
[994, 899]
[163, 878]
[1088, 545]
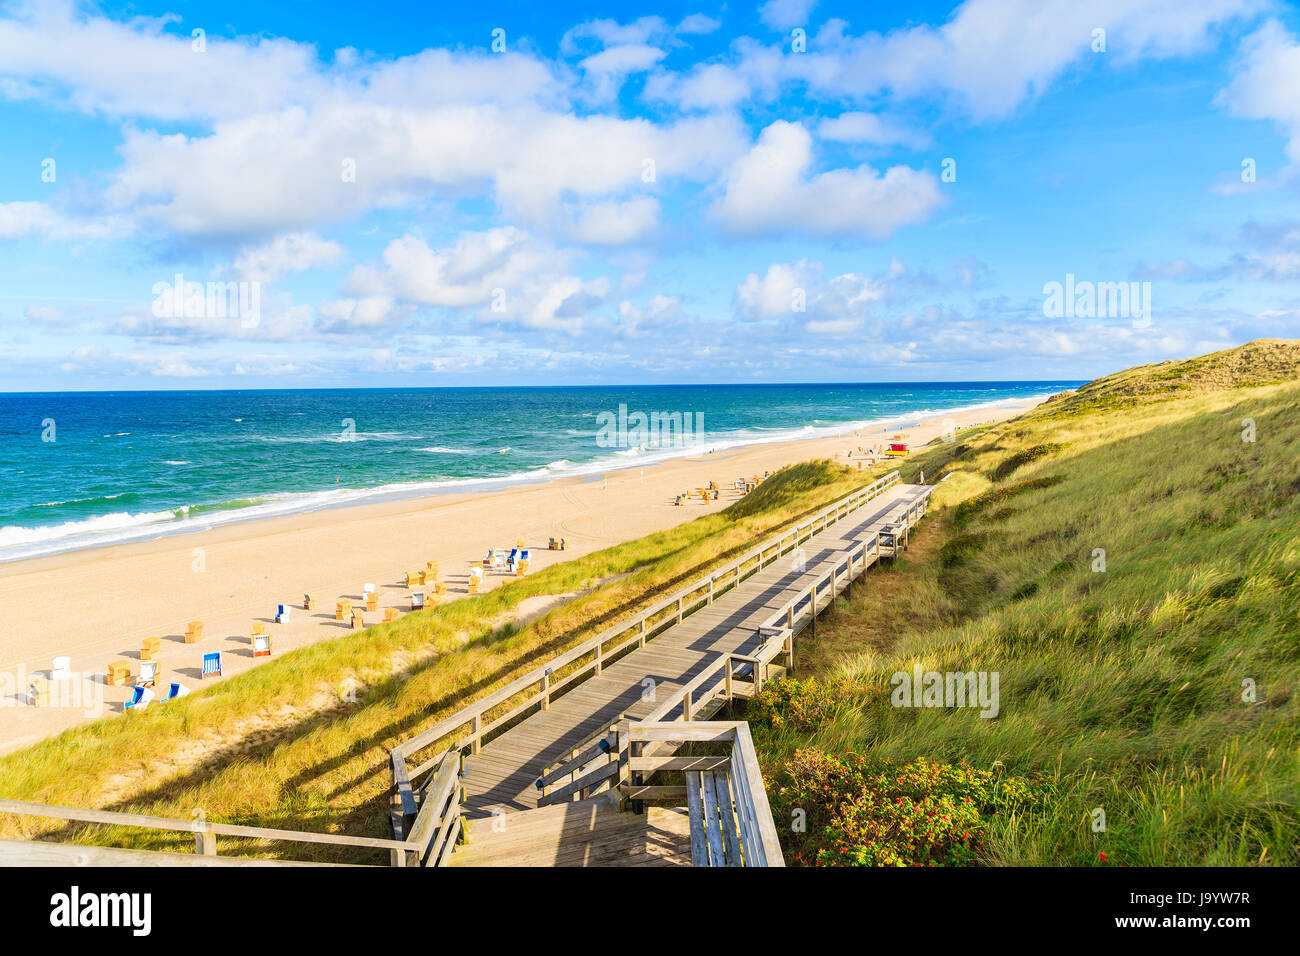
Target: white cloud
[615, 223]
[708, 86]
[785, 14]
[769, 192]
[698, 23]
[800, 292]
[1267, 84]
[19, 220]
[501, 275]
[607, 33]
[272, 173]
[989, 56]
[857, 127]
[294, 252]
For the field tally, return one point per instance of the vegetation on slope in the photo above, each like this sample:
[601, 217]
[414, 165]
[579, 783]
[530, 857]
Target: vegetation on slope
[1136, 589]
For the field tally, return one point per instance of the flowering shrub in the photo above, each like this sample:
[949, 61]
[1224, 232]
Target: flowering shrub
[798, 705]
[864, 813]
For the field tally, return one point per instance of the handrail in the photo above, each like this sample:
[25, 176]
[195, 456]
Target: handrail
[438, 825]
[756, 830]
[473, 714]
[205, 830]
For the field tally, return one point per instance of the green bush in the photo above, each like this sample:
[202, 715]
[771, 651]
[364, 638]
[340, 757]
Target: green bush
[860, 812]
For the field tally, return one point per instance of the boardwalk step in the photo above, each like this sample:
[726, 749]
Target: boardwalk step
[586, 833]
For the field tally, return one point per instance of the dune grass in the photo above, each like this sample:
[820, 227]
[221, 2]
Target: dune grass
[1134, 579]
[301, 742]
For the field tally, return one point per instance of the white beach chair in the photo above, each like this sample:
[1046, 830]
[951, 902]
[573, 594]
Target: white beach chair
[62, 668]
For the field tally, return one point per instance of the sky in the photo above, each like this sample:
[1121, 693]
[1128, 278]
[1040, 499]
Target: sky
[512, 193]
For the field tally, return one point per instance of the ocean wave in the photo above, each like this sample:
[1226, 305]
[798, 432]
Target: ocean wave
[440, 450]
[17, 542]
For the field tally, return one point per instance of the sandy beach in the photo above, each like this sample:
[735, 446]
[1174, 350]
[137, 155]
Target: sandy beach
[97, 605]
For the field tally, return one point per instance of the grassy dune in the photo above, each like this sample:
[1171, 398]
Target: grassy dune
[1126, 690]
[302, 741]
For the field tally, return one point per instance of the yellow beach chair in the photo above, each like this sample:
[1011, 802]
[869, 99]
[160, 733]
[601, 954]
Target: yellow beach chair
[194, 632]
[119, 672]
[342, 610]
[372, 601]
[149, 648]
[390, 614]
[309, 602]
[358, 617]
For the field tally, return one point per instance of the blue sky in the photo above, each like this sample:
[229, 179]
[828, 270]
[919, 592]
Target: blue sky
[639, 193]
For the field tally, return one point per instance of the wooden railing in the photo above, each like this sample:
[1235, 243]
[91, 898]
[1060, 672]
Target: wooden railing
[206, 832]
[536, 688]
[438, 824]
[737, 830]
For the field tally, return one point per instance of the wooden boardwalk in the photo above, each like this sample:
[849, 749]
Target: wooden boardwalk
[503, 774]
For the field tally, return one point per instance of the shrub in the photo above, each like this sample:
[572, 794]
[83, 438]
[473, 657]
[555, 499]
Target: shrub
[798, 705]
[864, 813]
[1022, 458]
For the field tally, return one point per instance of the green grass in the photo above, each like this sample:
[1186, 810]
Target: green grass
[282, 746]
[1120, 689]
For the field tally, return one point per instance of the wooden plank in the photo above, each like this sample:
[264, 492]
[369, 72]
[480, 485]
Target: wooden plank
[453, 834]
[431, 818]
[652, 764]
[40, 853]
[695, 807]
[712, 826]
[762, 810]
[114, 818]
[731, 840]
[402, 784]
[647, 792]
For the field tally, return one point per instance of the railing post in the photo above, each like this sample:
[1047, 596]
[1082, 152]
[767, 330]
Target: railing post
[546, 689]
[679, 609]
[475, 728]
[726, 679]
[622, 754]
[812, 603]
[686, 706]
[205, 844]
[599, 658]
[710, 601]
[641, 635]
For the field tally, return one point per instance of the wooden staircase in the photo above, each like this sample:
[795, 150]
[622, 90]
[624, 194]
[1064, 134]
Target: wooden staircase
[591, 832]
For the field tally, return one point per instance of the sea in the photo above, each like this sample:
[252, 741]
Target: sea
[87, 469]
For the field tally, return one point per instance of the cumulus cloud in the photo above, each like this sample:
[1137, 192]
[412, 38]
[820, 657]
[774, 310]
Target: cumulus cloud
[287, 254]
[870, 128]
[501, 275]
[1267, 84]
[800, 292]
[770, 191]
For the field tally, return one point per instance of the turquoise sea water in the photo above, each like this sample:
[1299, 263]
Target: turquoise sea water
[81, 469]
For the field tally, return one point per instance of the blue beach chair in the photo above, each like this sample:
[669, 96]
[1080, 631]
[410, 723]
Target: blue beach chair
[176, 690]
[212, 664]
[140, 697]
